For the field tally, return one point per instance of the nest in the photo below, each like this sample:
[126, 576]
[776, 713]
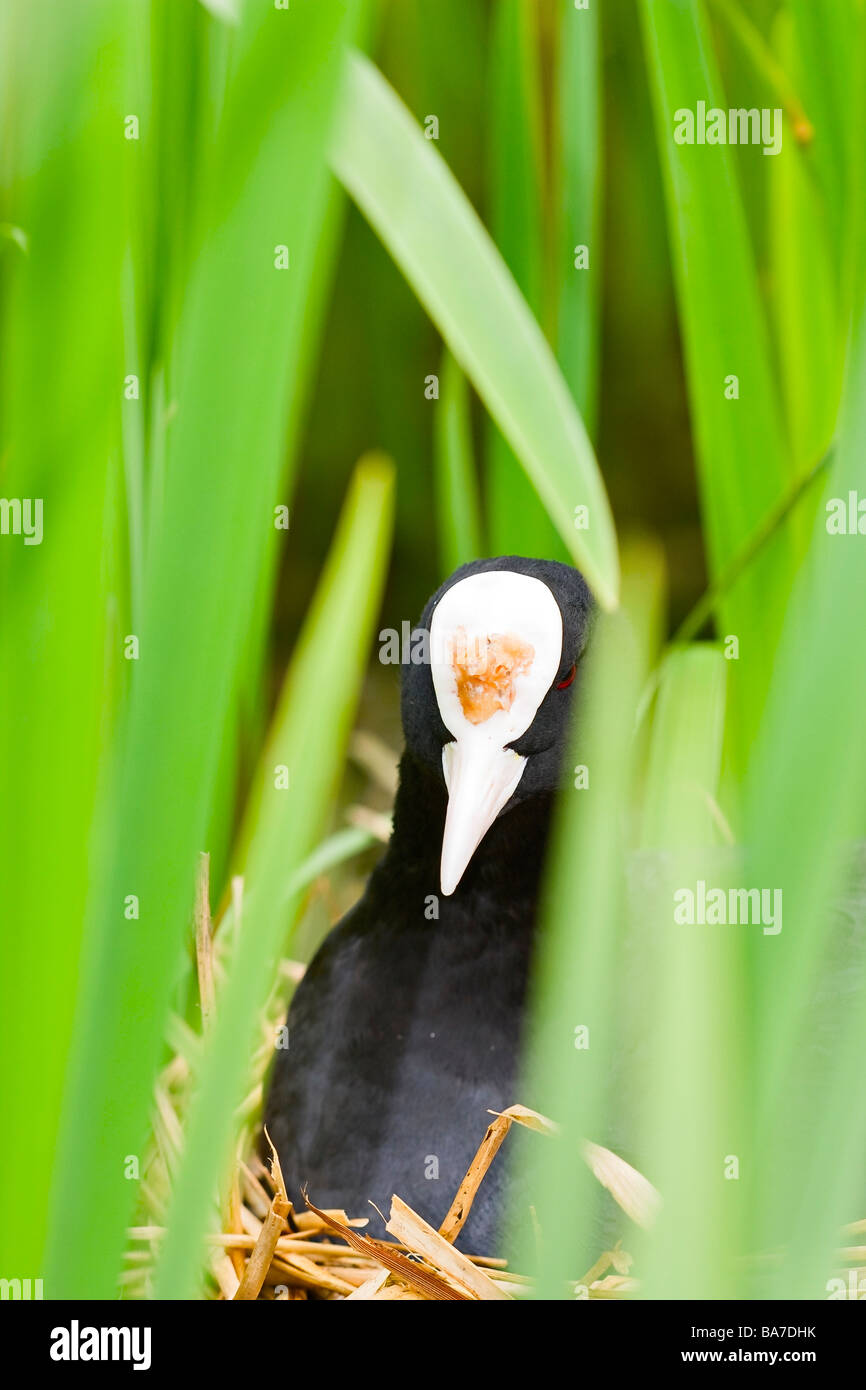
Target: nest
[275, 1253]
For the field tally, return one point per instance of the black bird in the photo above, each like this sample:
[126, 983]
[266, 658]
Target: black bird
[406, 1028]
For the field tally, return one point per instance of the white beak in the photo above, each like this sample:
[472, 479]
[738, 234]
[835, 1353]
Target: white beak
[480, 778]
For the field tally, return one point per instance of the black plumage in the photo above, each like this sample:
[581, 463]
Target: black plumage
[406, 1028]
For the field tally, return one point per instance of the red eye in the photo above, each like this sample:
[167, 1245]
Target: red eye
[566, 682]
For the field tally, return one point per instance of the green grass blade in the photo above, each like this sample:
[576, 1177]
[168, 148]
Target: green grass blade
[344, 844]
[516, 153]
[411, 199]
[742, 457]
[683, 1014]
[579, 204]
[781, 515]
[459, 507]
[827, 39]
[310, 730]
[61, 372]
[684, 762]
[225, 451]
[518, 522]
[802, 812]
[251, 675]
[828, 43]
[806, 305]
[645, 584]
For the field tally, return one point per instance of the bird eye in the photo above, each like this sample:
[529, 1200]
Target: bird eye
[566, 681]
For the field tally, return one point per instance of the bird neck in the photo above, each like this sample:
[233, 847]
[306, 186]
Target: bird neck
[506, 866]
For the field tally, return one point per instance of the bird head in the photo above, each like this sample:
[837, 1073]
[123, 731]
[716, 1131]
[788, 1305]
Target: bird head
[487, 705]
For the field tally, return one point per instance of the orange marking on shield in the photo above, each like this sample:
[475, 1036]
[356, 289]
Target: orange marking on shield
[485, 669]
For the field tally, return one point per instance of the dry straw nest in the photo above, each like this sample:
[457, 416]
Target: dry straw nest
[268, 1250]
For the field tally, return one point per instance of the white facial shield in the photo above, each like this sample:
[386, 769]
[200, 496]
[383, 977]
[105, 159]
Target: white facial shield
[496, 646]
